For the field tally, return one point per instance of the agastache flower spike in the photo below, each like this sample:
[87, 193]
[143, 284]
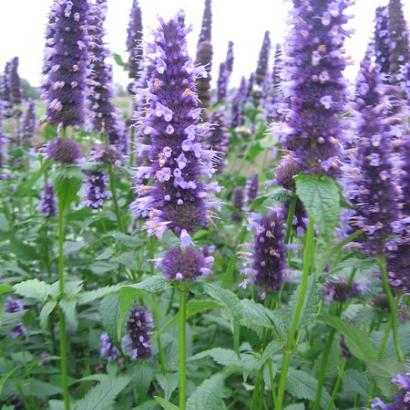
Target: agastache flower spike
[108, 350]
[229, 58]
[105, 118]
[401, 400]
[268, 264]
[222, 83]
[66, 151]
[218, 138]
[14, 81]
[252, 189]
[206, 28]
[316, 84]
[399, 44]
[136, 344]
[381, 40]
[3, 139]
[372, 186]
[134, 43]
[263, 61]
[238, 104]
[275, 100]
[95, 191]
[179, 199]
[29, 123]
[5, 85]
[13, 306]
[47, 205]
[340, 290]
[238, 200]
[68, 62]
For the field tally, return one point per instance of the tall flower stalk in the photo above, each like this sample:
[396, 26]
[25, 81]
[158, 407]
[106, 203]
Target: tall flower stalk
[178, 199]
[65, 95]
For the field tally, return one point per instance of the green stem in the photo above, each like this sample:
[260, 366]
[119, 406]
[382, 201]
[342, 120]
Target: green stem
[337, 384]
[158, 335]
[290, 344]
[272, 382]
[63, 335]
[114, 198]
[291, 215]
[393, 308]
[182, 347]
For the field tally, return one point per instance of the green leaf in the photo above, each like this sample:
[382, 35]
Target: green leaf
[91, 295]
[321, 197]
[208, 395]
[45, 313]
[118, 60]
[102, 396]
[227, 357]
[356, 340]
[33, 288]
[68, 306]
[383, 371]
[168, 383]
[303, 386]
[152, 284]
[233, 305]
[67, 183]
[355, 382]
[4, 379]
[165, 404]
[126, 301]
[257, 203]
[5, 289]
[297, 406]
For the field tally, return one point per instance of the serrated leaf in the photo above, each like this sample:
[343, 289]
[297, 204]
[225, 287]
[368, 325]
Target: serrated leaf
[356, 340]
[68, 306]
[152, 284]
[4, 379]
[257, 203]
[321, 197]
[102, 396]
[109, 308]
[165, 404]
[297, 406]
[208, 395]
[303, 386]
[91, 295]
[45, 313]
[232, 303]
[168, 383]
[33, 288]
[227, 357]
[355, 382]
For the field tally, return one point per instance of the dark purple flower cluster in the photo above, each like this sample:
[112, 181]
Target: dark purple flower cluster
[186, 264]
[269, 252]
[340, 290]
[314, 72]
[238, 201]
[14, 306]
[108, 350]
[222, 83]
[238, 105]
[402, 399]
[252, 189]
[206, 28]
[3, 139]
[95, 191]
[67, 63]
[100, 94]
[218, 138]
[64, 150]
[5, 85]
[263, 60]
[136, 344]
[371, 183]
[134, 43]
[47, 205]
[178, 199]
[29, 124]
[14, 82]
[287, 169]
[229, 58]
[204, 58]
[275, 99]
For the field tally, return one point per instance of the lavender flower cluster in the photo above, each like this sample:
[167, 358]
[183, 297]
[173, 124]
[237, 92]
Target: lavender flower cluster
[13, 306]
[402, 399]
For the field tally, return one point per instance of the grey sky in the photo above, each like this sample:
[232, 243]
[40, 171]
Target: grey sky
[22, 26]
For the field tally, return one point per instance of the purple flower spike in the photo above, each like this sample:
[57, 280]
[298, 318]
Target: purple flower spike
[206, 29]
[204, 57]
[5, 85]
[263, 61]
[316, 85]
[218, 139]
[186, 264]
[66, 151]
[381, 39]
[29, 123]
[3, 140]
[13, 306]
[401, 400]
[14, 81]
[340, 290]
[67, 64]
[222, 83]
[229, 58]
[370, 177]
[286, 171]
[108, 351]
[399, 56]
[268, 262]
[238, 105]
[105, 117]
[238, 200]
[178, 199]
[134, 41]
[136, 344]
[252, 188]
[95, 190]
[275, 100]
[47, 205]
